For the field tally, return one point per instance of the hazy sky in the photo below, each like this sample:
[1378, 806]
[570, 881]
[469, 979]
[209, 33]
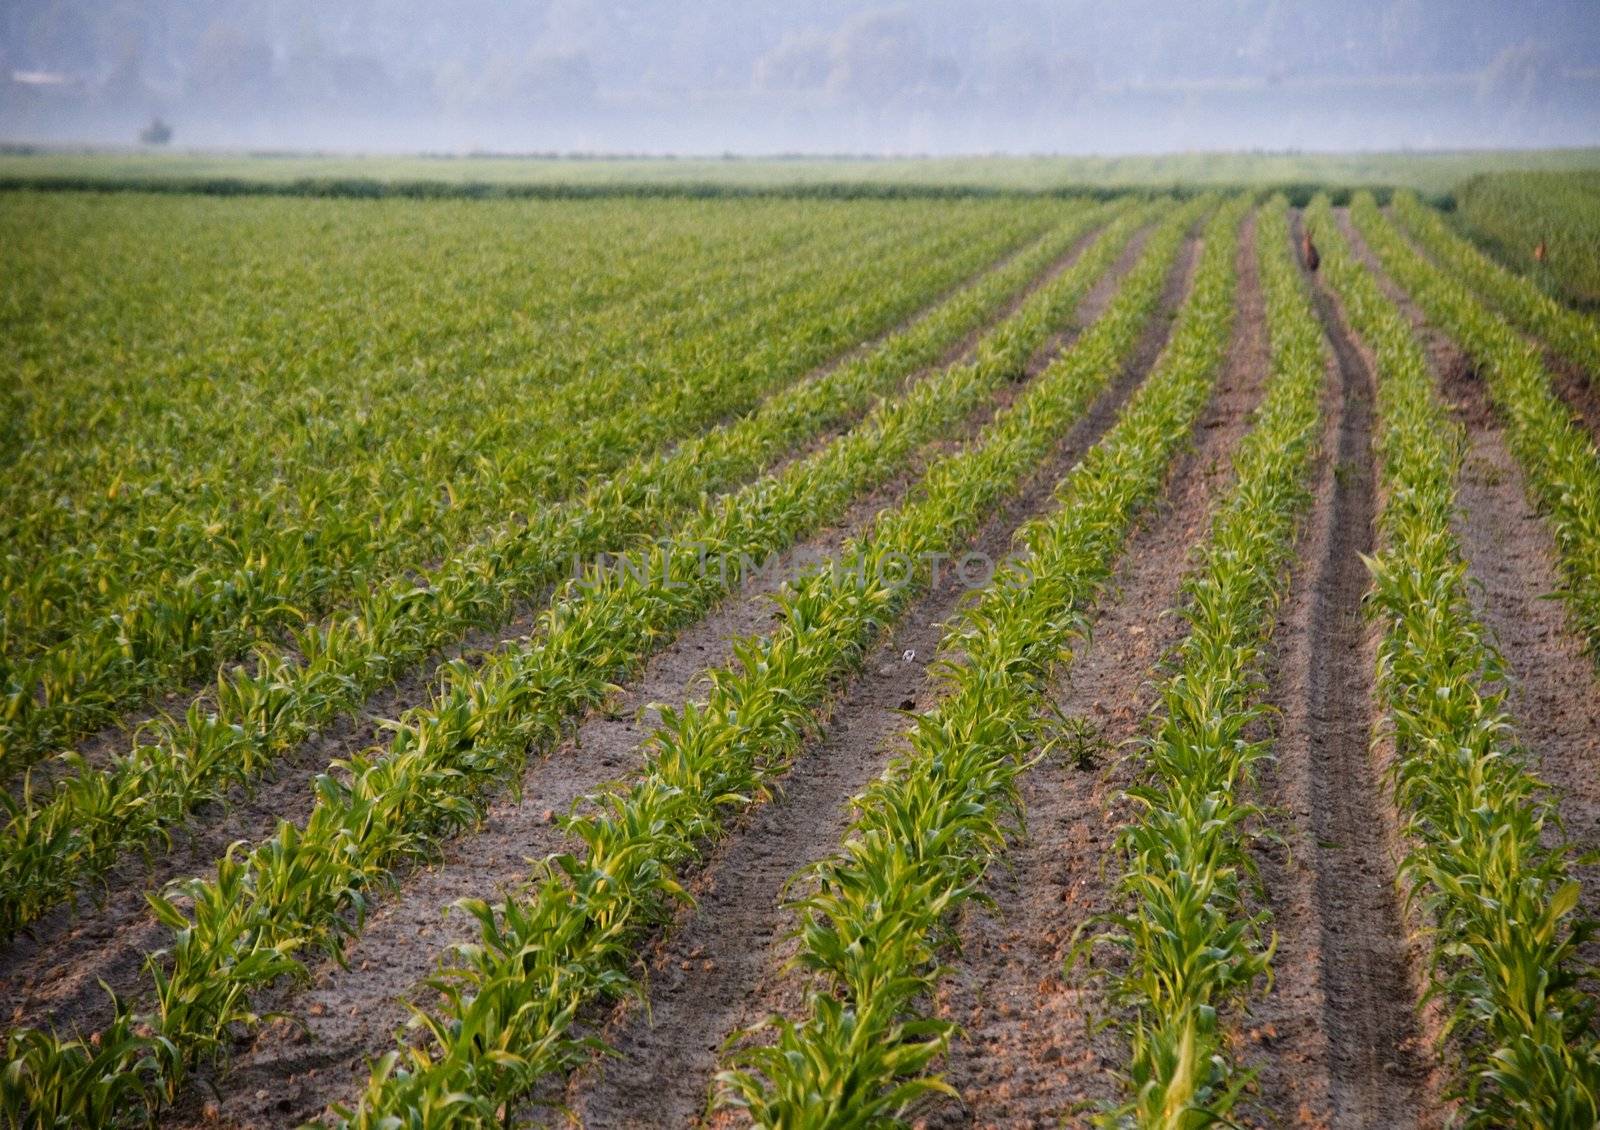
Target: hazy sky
[831, 76]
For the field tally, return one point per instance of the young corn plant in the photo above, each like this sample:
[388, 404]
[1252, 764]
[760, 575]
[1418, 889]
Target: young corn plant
[1193, 947]
[1572, 335]
[307, 887]
[505, 1025]
[201, 583]
[48, 850]
[878, 913]
[1485, 860]
[1559, 459]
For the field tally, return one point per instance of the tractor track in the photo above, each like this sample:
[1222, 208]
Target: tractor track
[53, 969]
[719, 967]
[1338, 1041]
[349, 1015]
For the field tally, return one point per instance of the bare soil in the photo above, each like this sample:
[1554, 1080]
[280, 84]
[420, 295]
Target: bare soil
[719, 968]
[295, 1069]
[52, 972]
[1338, 1041]
[1028, 1054]
[1578, 390]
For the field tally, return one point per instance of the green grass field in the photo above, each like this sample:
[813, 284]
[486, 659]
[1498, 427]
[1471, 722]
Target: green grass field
[1433, 174]
[1511, 213]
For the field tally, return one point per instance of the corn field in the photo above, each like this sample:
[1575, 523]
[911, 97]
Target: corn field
[1128, 660]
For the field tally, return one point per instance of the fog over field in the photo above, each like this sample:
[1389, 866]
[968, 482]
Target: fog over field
[830, 76]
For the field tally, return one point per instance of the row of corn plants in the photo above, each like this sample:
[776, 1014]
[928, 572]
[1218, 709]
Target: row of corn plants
[306, 265]
[180, 516]
[452, 409]
[1484, 858]
[145, 382]
[204, 584]
[879, 910]
[1557, 456]
[47, 850]
[307, 887]
[1571, 334]
[505, 1023]
[203, 580]
[1192, 945]
[257, 539]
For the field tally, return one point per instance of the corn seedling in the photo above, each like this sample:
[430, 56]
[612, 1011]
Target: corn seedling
[307, 886]
[1500, 899]
[878, 911]
[1193, 946]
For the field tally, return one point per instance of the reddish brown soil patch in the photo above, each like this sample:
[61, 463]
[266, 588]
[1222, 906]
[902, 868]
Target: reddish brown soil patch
[1580, 393]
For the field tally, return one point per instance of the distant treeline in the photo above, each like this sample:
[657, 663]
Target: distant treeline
[368, 188]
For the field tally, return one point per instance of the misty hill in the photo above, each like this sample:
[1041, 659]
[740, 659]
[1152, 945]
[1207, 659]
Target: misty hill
[650, 76]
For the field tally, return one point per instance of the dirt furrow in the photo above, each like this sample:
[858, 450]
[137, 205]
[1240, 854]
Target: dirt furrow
[719, 967]
[97, 749]
[1026, 1055]
[1338, 1041]
[1554, 697]
[53, 971]
[350, 1015]
[1580, 391]
[1553, 693]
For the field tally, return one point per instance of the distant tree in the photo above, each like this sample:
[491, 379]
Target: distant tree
[157, 132]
